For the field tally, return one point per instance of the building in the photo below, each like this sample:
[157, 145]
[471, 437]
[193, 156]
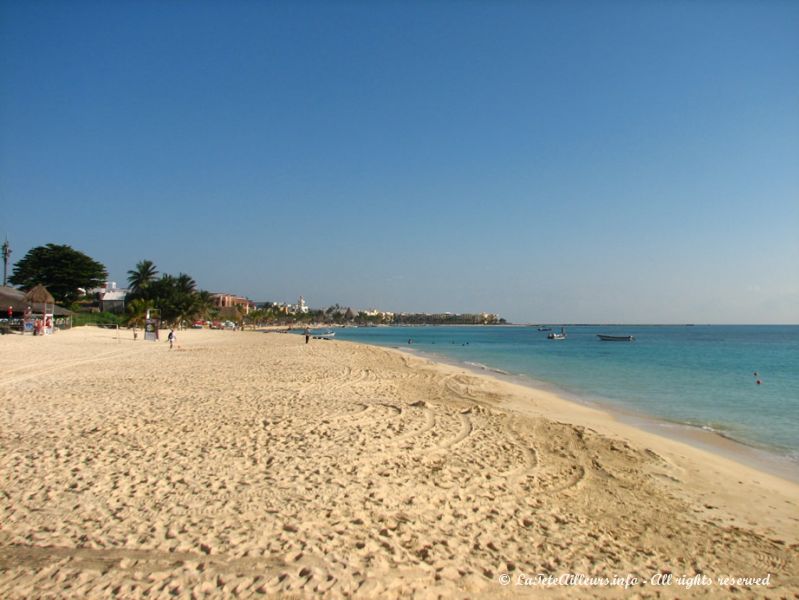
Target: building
[302, 308]
[230, 305]
[111, 298]
[374, 313]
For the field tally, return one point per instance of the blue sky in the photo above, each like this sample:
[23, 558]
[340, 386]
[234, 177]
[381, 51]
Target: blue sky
[550, 161]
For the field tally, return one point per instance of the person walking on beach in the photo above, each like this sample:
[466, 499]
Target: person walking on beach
[307, 335]
[172, 338]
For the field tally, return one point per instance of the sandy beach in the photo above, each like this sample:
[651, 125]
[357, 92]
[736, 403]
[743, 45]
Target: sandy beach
[251, 464]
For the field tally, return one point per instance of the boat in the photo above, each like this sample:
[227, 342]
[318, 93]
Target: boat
[544, 329]
[615, 338]
[557, 336]
[328, 335]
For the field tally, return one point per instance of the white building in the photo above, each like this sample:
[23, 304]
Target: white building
[112, 298]
[301, 306]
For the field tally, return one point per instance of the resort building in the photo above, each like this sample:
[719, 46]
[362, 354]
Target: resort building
[374, 313]
[232, 302]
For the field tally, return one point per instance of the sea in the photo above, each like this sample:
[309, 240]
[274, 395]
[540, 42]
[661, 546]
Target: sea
[740, 382]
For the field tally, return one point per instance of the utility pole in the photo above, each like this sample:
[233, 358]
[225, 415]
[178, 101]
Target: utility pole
[6, 254]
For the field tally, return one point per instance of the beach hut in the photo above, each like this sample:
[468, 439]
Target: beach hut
[22, 308]
[12, 306]
[39, 295]
[12, 298]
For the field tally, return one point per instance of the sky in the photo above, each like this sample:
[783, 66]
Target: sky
[627, 161]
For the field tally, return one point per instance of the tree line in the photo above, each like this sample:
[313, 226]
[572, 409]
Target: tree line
[65, 271]
[68, 274]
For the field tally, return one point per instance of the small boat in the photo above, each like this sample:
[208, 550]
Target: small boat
[328, 335]
[557, 336]
[544, 329]
[615, 338]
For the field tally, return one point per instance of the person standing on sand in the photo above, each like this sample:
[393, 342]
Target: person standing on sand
[307, 335]
[172, 338]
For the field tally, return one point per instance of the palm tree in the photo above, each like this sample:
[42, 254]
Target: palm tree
[185, 284]
[240, 314]
[142, 276]
[204, 307]
[137, 311]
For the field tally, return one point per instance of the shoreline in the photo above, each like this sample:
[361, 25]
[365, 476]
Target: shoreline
[716, 442]
[768, 460]
[712, 467]
[253, 465]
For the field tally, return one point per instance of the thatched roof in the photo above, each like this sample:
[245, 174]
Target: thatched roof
[16, 299]
[12, 297]
[39, 293]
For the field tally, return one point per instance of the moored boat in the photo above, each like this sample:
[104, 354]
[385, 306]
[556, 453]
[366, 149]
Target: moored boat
[615, 338]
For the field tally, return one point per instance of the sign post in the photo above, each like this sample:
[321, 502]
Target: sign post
[151, 323]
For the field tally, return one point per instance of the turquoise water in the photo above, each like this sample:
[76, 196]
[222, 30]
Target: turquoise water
[694, 375]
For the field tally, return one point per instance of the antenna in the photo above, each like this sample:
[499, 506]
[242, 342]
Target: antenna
[6, 254]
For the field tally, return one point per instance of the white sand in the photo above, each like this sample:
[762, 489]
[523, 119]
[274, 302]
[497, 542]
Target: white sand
[242, 464]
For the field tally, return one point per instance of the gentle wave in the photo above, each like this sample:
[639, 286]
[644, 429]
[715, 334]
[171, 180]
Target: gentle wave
[486, 367]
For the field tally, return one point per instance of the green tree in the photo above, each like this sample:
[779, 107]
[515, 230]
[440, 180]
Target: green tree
[137, 311]
[176, 298]
[61, 269]
[204, 306]
[185, 284]
[167, 296]
[142, 275]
